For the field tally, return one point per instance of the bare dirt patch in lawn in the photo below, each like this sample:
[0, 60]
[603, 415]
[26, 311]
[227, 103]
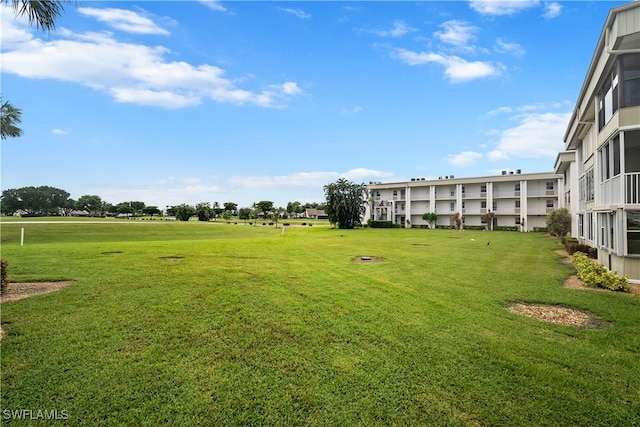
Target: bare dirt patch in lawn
[559, 314]
[16, 291]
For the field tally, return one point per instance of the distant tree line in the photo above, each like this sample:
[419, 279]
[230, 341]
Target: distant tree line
[51, 201]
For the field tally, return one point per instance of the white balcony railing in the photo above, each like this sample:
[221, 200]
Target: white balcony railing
[632, 188]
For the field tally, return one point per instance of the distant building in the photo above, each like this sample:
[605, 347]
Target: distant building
[601, 164]
[516, 200]
[315, 214]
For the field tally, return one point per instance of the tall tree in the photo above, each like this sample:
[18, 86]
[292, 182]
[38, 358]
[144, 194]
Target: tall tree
[203, 211]
[183, 212]
[230, 206]
[43, 200]
[264, 206]
[90, 203]
[346, 203]
[10, 117]
[244, 214]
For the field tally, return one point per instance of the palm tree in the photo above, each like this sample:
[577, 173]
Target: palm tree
[40, 13]
[9, 118]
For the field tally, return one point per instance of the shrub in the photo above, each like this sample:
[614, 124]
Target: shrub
[573, 247]
[381, 224]
[3, 276]
[595, 275]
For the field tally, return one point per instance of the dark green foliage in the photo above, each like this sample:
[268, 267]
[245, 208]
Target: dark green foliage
[90, 203]
[573, 247]
[203, 211]
[559, 222]
[381, 224]
[183, 212]
[430, 217]
[10, 117]
[345, 203]
[43, 200]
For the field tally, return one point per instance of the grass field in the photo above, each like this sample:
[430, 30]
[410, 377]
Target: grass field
[170, 323]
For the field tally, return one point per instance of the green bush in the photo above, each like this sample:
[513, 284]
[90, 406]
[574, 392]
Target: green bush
[381, 224]
[595, 275]
[3, 276]
[573, 247]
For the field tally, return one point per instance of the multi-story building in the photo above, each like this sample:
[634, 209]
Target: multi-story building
[514, 200]
[601, 164]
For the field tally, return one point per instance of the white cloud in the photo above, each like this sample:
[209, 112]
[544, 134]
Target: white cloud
[296, 12]
[129, 72]
[59, 132]
[456, 69]
[500, 7]
[307, 179]
[214, 5]
[552, 10]
[503, 46]
[464, 159]
[537, 135]
[458, 33]
[352, 110]
[398, 29]
[500, 110]
[124, 20]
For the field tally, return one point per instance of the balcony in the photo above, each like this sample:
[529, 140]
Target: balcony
[632, 188]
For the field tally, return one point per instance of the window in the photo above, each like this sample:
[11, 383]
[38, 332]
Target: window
[633, 232]
[608, 99]
[517, 187]
[580, 225]
[483, 188]
[550, 203]
[452, 207]
[590, 226]
[483, 204]
[609, 156]
[549, 185]
[632, 151]
[607, 230]
[630, 70]
[495, 206]
[586, 190]
[517, 220]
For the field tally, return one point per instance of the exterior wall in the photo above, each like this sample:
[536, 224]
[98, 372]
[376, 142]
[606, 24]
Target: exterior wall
[404, 203]
[603, 134]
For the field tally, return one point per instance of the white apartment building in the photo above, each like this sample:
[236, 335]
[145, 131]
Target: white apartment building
[601, 164]
[518, 201]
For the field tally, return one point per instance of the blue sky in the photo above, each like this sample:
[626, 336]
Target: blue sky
[172, 102]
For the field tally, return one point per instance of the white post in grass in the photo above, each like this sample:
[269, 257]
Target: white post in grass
[22, 236]
[283, 230]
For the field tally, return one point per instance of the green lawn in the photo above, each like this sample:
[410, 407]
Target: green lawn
[170, 323]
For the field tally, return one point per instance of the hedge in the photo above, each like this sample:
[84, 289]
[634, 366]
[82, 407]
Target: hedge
[595, 275]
